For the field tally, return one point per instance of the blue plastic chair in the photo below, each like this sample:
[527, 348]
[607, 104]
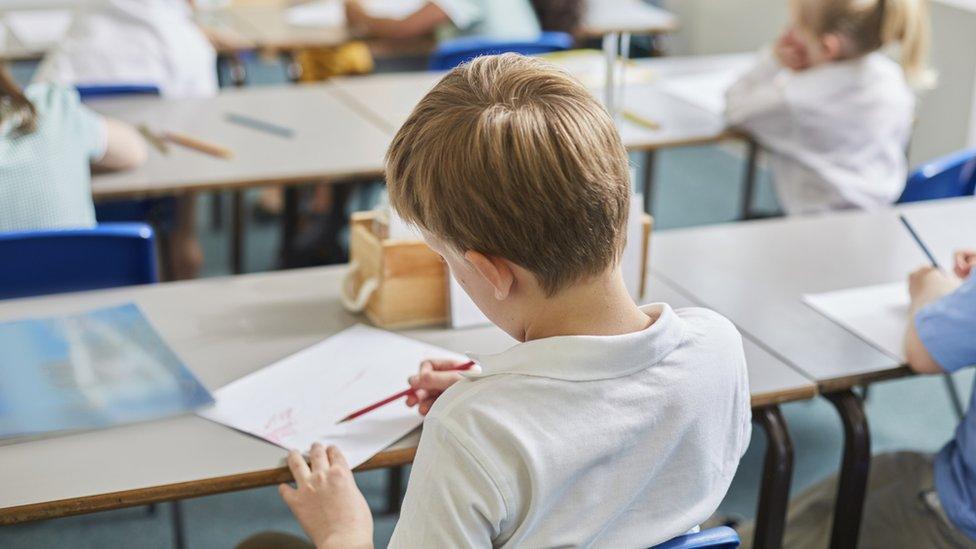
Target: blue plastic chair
[721, 537]
[946, 177]
[73, 260]
[452, 53]
[92, 91]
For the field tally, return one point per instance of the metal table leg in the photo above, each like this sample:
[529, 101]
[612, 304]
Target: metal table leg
[749, 180]
[774, 494]
[237, 232]
[394, 490]
[854, 470]
[179, 532]
[647, 177]
[289, 224]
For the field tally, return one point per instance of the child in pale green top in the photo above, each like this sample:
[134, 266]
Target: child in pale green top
[49, 142]
[451, 18]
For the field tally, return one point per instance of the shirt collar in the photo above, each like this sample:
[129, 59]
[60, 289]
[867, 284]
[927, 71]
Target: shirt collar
[587, 358]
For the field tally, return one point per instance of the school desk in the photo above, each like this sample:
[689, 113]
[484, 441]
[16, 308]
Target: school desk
[330, 143]
[387, 99]
[755, 274]
[224, 328]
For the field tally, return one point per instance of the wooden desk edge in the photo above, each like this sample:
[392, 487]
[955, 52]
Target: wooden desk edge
[846, 383]
[180, 490]
[255, 479]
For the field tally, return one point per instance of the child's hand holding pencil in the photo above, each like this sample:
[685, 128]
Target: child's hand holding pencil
[435, 377]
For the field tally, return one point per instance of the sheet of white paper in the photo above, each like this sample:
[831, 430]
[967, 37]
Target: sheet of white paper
[705, 90]
[330, 13]
[38, 27]
[299, 399]
[464, 313]
[876, 314]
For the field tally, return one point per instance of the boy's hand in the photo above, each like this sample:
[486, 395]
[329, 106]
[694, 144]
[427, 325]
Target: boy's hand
[964, 262]
[929, 284]
[326, 501]
[791, 52]
[434, 378]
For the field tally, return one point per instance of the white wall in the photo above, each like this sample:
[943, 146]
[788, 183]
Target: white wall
[946, 116]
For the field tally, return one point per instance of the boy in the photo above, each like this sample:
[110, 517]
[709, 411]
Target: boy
[612, 424]
[914, 499]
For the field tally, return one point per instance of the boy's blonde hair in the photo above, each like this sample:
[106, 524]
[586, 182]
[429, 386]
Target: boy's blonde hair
[869, 25]
[510, 156]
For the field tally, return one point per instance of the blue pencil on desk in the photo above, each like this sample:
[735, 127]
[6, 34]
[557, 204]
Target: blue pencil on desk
[918, 240]
[261, 125]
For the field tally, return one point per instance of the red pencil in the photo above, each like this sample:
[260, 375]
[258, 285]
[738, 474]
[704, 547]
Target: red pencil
[461, 367]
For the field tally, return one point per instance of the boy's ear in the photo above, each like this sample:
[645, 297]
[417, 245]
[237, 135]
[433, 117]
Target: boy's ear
[832, 45]
[495, 270]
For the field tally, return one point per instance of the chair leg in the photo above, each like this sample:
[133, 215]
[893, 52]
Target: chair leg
[774, 495]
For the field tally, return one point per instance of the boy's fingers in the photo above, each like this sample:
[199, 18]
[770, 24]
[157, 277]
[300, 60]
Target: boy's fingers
[336, 458]
[317, 457]
[299, 469]
[441, 365]
[286, 492]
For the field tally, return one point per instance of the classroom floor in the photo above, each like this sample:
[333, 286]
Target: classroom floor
[695, 186]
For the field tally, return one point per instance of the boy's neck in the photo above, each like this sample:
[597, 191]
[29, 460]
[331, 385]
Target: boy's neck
[601, 307]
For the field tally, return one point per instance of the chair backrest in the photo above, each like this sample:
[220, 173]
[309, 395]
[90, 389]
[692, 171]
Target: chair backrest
[92, 91]
[721, 537]
[946, 177]
[452, 53]
[71, 260]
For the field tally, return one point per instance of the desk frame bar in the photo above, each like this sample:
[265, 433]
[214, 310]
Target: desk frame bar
[855, 466]
[774, 492]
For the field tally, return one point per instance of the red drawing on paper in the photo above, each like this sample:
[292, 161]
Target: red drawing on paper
[279, 426]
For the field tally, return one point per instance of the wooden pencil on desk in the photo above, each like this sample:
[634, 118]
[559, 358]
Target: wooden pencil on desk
[199, 145]
[154, 139]
[641, 120]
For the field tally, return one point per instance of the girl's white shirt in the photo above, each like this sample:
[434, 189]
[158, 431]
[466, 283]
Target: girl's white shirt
[836, 133]
[135, 42]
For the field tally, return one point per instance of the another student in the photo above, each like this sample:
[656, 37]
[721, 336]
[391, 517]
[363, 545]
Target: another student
[913, 499]
[450, 18]
[610, 424]
[48, 144]
[835, 112]
[142, 42]
[135, 42]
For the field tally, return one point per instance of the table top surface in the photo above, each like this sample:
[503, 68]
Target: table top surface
[330, 140]
[755, 274]
[389, 98]
[225, 328]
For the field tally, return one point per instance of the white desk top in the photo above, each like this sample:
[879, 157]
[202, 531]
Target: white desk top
[389, 98]
[330, 141]
[224, 328]
[755, 273]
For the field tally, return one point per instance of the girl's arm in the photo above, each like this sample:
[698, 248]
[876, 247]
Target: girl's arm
[124, 149]
[419, 23]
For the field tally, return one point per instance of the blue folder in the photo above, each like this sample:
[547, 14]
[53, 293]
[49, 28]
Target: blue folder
[91, 370]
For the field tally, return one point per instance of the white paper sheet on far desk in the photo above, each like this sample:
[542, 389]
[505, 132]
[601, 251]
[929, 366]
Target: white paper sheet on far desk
[705, 90]
[876, 314]
[299, 400]
[331, 13]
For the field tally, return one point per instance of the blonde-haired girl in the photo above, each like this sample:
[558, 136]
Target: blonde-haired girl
[833, 110]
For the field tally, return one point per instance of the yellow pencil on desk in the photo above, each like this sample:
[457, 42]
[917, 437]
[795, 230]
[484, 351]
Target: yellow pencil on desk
[199, 145]
[154, 139]
[641, 120]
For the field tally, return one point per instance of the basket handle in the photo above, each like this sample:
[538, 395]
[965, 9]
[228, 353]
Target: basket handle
[358, 303]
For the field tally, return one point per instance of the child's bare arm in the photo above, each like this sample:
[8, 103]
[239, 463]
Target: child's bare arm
[125, 148]
[419, 23]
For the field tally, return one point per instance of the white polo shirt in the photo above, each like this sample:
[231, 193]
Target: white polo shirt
[600, 441]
